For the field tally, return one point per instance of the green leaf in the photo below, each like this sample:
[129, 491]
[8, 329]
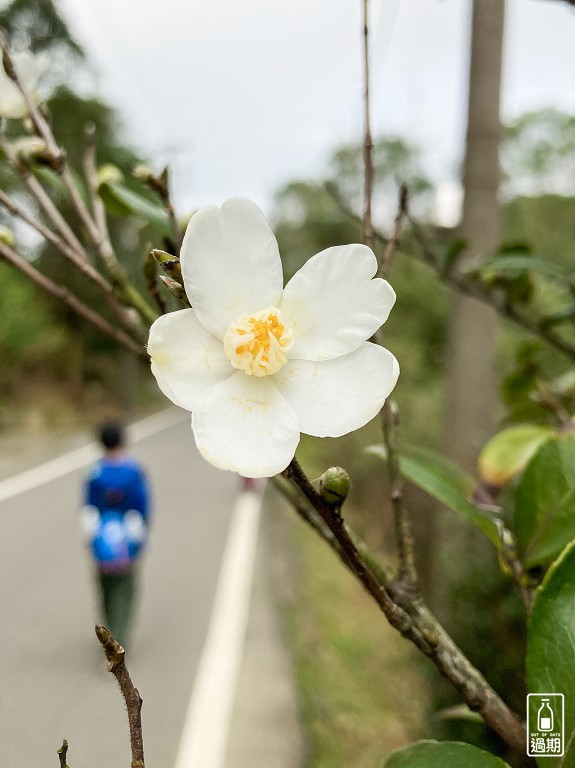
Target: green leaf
[446, 482]
[545, 501]
[121, 201]
[508, 452]
[511, 266]
[442, 754]
[551, 646]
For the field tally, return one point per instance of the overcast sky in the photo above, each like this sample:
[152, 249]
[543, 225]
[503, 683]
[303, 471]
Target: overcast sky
[241, 97]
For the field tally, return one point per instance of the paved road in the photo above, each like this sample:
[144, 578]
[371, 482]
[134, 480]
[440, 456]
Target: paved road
[53, 681]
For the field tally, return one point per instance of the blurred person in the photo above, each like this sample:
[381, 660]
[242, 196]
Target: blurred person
[115, 521]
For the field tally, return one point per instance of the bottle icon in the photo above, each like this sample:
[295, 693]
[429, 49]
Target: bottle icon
[545, 717]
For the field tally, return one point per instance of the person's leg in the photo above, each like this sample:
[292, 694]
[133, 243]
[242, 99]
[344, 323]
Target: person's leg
[121, 605]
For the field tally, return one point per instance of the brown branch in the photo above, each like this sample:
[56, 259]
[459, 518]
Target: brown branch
[161, 186]
[407, 573]
[62, 754]
[413, 619]
[471, 288]
[98, 237]
[407, 579]
[393, 241]
[91, 174]
[462, 284]
[67, 297]
[367, 140]
[78, 259]
[115, 656]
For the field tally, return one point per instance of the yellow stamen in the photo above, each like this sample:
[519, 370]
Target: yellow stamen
[256, 344]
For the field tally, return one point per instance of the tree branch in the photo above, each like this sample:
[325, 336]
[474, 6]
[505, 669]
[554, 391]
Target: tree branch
[63, 754]
[393, 241]
[99, 238]
[67, 297]
[79, 261]
[411, 617]
[367, 140]
[461, 283]
[115, 656]
[470, 288]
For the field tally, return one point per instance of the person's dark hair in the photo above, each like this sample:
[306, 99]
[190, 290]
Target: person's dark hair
[112, 435]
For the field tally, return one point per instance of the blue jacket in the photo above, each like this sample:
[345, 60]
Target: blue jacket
[118, 484]
[117, 498]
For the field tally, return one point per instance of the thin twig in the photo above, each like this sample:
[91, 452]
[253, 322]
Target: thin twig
[367, 140]
[151, 277]
[99, 238]
[91, 173]
[393, 241]
[44, 200]
[406, 580]
[62, 754]
[414, 621]
[407, 573]
[80, 262]
[161, 185]
[64, 295]
[115, 656]
[474, 289]
[462, 284]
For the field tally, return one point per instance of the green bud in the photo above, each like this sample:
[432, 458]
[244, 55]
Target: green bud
[334, 485]
[30, 149]
[176, 289]
[109, 174]
[143, 173]
[169, 263]
[6, 235]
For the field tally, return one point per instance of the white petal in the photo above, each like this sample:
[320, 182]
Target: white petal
[230, 263]
[186, 359]
[245, 425]
[334, 397]
[333, 305]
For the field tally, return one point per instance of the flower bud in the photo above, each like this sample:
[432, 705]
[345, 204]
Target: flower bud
[109, 174]
[6, 235]
[334, 485]
[31, 149]
[169, 263]
[176, 289]
[143, 173]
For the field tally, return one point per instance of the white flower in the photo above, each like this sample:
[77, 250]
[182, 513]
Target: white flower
[256, 364]
[29, 68]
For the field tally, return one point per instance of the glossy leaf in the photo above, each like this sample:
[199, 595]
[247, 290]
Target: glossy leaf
[545, 501]
[444, 481]
[121, 201]
[442, 754]
[551, 647]
[508, 452]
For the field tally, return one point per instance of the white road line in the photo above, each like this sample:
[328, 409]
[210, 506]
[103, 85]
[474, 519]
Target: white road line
[205, 735]
[81, 457]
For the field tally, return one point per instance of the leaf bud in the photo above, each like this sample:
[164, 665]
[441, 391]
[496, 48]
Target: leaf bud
[6, 235]
[176, 289]
[109, 174]
[30, 149]
[169, 263]
[143, 173]
[334, 485]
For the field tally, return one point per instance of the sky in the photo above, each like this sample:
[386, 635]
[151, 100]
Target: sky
[242, 97]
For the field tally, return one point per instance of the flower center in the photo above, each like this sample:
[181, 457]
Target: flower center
[256, 344]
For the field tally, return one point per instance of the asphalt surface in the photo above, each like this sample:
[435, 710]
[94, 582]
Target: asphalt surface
[53, 679]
